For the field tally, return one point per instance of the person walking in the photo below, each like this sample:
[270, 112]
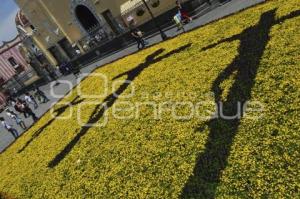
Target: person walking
[16, 118]
[185, 16]
[9, 128]
[138, 37]
[178, 21]
[31, 100]
[41, 96]
[23, 107]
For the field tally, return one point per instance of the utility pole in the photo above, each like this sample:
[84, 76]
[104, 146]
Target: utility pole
[162, 34]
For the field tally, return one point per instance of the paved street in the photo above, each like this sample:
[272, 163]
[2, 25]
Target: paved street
[218, 12]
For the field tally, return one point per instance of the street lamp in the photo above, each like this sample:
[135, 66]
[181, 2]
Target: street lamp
[162, 34]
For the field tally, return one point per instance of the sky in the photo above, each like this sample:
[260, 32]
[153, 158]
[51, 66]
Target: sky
[8, 10]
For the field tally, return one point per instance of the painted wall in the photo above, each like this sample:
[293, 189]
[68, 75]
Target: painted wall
[7, 71]
[10, 50]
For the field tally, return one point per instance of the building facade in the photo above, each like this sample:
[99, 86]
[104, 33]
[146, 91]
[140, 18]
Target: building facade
[15, 72]
[33, 55]
[62, 28]
[11, 60]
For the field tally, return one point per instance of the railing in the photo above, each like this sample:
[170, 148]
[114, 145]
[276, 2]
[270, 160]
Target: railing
[18, 81]
[103, 33]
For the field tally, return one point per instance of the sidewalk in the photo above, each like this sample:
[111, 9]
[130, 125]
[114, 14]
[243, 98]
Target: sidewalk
[223, 10]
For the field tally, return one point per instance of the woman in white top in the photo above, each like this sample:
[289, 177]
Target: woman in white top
[30, 100]
[9, 128]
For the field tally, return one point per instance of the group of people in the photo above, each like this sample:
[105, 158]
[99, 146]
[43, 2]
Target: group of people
[22, 106]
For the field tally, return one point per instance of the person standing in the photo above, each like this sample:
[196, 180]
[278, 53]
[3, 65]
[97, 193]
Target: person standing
[17, 119]
[138, 37]
[30, 100]
[9, 128]
[25, 109]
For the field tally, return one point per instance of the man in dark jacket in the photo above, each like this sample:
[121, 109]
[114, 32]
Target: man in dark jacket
[138, 37]
[22, 107]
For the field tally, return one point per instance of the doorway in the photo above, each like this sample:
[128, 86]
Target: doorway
[86, 18]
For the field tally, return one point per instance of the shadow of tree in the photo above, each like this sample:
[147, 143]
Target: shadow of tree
[58, 113]
[108, 102]
[210, 163]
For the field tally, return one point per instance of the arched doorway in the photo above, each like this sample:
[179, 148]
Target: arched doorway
[86, 18]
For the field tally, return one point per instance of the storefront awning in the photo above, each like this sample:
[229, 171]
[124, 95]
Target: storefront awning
[130, 5]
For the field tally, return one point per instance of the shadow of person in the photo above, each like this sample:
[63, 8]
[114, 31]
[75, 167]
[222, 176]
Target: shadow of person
[58, 112]
[108, 102]
[224, 125]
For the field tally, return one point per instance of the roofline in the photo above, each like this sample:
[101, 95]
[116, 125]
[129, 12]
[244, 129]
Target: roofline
[8, 42]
